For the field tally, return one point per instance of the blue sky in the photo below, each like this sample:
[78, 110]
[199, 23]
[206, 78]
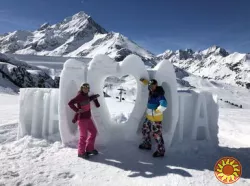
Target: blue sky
[157, 25]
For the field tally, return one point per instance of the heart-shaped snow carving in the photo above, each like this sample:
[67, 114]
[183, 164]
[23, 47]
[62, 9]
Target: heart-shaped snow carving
[99, 69]
[76, 72]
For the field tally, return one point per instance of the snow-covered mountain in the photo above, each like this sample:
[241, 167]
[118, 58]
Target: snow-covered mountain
[78, 35]
[213, 63]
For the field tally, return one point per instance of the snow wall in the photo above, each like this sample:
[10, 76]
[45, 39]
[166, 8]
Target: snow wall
[38, 113]
[190, 115]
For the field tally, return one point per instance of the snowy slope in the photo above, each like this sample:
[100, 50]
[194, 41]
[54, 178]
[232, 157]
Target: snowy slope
[227, 94]
[78, 35]
[7, 86]
[30, 161]
[230, 96]
[213, 63]
[17, 74]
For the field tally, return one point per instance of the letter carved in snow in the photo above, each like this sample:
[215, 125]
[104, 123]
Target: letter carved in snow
[73, 75]
[164, 73]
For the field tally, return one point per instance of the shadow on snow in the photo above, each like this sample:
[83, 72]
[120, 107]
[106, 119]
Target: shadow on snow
[128, 157]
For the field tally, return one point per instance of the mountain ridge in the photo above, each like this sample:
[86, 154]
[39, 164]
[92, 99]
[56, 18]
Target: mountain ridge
[77, 35]
[80, 35]
[212, 63]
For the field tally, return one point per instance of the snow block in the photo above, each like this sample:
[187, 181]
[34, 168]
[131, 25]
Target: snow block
[73, 75]
[38, 115]
[164, 73]
[198, 117]
[189, 116]
[99, 69]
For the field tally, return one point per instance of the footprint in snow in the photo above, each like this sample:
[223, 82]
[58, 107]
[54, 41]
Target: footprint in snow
[66, 175]
[20, 182]
[14, 157]
[11, 173]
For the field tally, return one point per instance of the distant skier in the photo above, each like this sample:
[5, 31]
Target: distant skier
[157, 103]
[84, 120]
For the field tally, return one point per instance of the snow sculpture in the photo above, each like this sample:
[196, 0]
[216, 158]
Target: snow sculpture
[73, 75]
[198, 117]
[201, 119]
[190, 115]
[38, 112]
[164, 73]
[99, 69]
[181, 121]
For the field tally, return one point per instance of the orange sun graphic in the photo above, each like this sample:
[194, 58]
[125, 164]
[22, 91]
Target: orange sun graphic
[228, 170]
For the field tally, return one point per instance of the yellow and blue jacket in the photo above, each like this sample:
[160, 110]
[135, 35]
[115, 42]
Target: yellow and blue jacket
[157, 104]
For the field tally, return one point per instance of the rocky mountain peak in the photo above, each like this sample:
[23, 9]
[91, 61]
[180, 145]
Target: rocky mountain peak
[216, 50]
[185, 54]
[76, 17]
[80, 14]
[44, 26]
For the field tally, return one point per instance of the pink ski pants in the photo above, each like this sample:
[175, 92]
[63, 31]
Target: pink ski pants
[86, 142]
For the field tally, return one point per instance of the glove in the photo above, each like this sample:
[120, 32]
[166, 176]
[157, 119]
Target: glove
[93, 97]
[144, 81]
[96, 96]
[154, 112]
[97, 104]
[157, 111]
[74, 120]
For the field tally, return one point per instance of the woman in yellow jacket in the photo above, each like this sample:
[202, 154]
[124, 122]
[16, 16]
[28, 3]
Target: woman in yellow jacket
[157, 103]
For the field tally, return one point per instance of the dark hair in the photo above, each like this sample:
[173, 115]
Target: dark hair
[153, 82]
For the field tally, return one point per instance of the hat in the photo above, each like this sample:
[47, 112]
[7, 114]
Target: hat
[152, 82]
[85, 85]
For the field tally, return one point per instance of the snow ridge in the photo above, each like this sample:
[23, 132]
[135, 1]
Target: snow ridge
[213, 63]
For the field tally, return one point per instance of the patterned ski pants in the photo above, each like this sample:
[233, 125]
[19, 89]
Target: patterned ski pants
[156, 128]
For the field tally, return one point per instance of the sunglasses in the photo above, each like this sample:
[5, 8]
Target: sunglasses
[86, 86]
[150, 85]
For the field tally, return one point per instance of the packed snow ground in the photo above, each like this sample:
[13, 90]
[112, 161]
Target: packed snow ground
[30, 161]
[9, 108]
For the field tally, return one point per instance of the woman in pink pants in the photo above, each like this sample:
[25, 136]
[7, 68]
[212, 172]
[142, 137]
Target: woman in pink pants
[85, 123]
